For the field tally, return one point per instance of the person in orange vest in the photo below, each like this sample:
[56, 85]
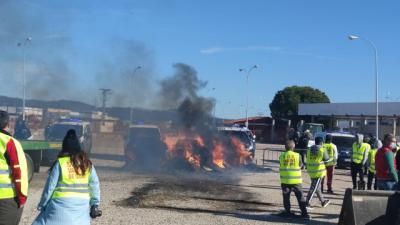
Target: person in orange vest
[13, 175]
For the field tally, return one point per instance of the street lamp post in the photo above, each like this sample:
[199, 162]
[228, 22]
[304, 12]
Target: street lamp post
[215, 106]
[354, 37]
[23, 45]
[247, 89]
[131, 99]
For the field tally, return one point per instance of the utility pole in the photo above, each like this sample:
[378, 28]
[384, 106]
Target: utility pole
[104, 92]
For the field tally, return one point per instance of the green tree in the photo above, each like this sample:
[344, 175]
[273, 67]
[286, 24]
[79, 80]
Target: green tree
[286, 101]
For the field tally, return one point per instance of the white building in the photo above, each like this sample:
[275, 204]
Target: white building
[359, 117]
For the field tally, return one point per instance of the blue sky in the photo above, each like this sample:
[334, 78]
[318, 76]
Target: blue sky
[292, 42]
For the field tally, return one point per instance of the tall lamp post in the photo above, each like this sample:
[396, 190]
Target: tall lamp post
[23, 45]
[247, 89]
[354, 37]
[215, 106]
[131, 99]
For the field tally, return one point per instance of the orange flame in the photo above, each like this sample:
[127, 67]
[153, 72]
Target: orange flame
[242, 153]
[182, 146]
[218, 154]
[192, 148]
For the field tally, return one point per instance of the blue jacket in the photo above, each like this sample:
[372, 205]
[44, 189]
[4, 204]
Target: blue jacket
[66, 211]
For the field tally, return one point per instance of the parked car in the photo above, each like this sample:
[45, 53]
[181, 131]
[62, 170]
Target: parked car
[344, 143]
[57, 132]
[243, 134]
[144, 146]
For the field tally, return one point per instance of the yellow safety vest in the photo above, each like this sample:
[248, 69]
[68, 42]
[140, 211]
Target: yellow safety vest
[289, 168]
[315, 164]
[371, 160]
[71, 184]
[7, 188]
[358, 152]
[330, 150]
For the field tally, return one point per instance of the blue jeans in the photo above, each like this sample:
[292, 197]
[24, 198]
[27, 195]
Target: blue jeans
[387, 185]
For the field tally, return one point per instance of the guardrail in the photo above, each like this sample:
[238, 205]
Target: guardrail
[273, 154]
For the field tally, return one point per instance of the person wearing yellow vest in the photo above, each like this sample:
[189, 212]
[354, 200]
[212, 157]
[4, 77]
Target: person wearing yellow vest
[331, 150]
[291, 180]
[72, 193]
[366, 140]
[316, 159]
[359, 159]
[13, 175]
[371, 164]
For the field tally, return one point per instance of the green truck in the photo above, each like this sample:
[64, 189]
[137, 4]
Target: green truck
[33, 151]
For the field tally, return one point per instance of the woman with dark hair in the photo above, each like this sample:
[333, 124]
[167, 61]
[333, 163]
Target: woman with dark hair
[72, 193]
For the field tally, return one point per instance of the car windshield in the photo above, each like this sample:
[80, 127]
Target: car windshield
[242, 136]
[58, 131]
[343, 142]
[144, 133]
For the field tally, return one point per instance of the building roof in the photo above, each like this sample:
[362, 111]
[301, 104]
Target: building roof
[349, 109]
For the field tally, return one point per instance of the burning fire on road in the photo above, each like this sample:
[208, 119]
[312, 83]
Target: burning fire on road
[215, 151]
[192, 141]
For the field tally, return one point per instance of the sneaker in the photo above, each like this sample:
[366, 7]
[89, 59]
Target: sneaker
[330, 192]
[326, 203]
[286, 214]
[305, 216]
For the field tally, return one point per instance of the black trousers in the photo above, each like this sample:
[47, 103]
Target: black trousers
[297, 189]
[357, 168]
[371, 177]
[302, 153]
[10, 214]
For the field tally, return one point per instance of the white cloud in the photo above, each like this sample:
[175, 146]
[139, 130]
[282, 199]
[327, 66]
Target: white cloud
[215, 50]
[211, 50]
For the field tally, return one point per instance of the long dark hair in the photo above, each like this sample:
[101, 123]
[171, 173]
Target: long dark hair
[72, 148]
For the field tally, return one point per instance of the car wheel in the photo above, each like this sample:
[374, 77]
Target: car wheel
[30, 167]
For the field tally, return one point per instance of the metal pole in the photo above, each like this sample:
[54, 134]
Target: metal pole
[354, 37]
[215, 109]
[376, 91]
[247, 98]
[376, 85]
[23, 84]
[247, 91]
[131, 99]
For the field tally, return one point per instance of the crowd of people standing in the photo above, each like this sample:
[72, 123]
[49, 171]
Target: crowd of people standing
[380, 161]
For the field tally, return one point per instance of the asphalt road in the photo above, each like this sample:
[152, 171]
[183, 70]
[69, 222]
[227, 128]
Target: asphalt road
[248, 195]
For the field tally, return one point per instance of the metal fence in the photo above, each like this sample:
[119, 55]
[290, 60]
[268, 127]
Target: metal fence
[267, 155]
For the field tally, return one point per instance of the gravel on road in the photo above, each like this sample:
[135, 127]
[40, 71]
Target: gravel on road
[237, 196]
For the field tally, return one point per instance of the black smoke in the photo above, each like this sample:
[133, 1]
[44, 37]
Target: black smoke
[181, 92]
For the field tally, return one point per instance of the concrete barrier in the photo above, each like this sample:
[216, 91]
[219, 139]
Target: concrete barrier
[370, 207]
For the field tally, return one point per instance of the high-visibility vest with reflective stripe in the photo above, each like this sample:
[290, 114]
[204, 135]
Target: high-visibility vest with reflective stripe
[330, 150]
[289, 168]
[7, 188]
[358, 152]
[71, 184]
[371, 160]
[315, 164]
